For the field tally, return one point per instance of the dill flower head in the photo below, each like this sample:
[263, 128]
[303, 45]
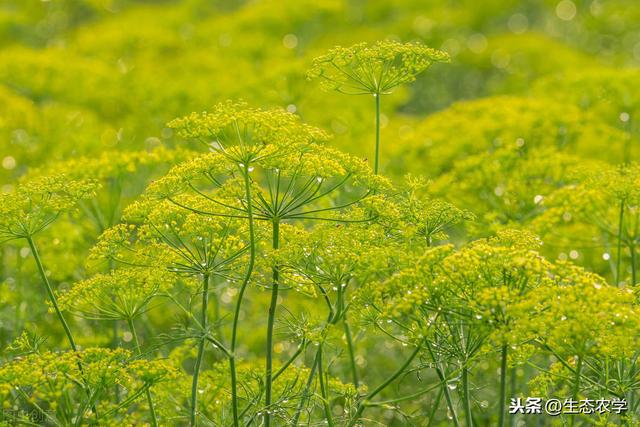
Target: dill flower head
[38, 202]
[373, 69]
[169, 238]
[112, 164]
[481, 284]
[114, 242]
[120, 295]
[507, 125]
[595, 209]
[326, 164]
[509, 186]
[584, 317]
[54, 380]
[271, 155]
[191, 244]
[331, 257]
[245, 133]
[425, 217]
[621, 182]
[178, 179]
[607, 92]
[298, 183]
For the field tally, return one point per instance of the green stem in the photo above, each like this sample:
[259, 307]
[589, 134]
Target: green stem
[432, 415]
[305, 392]
[513, 391]
[243, 287]
[503, 386]
[293, 357]
[352, 353]
[130, 398]
[54, 303]
[52, 297]
[196, 369]
[152, 411]
[468, 418]
[626, 153]
[619, 255]
[323, 390]
[270, 323]
[317, 361]
[19, 282]
[406, 397]
[632, 249]
[377, 155]
[367, 399]
[576, 385]
[445, 388]
[116, 333]
[216, 313]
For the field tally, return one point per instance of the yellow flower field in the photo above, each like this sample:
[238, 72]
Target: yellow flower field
[308, 213]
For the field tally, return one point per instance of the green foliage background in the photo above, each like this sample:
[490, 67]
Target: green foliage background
[523, 129]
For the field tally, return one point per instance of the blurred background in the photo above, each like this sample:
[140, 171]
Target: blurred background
[537, 92]
[78, 77]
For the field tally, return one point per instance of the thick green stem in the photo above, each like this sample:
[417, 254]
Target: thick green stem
[377, 154]
[352, 353]
[365, 402]
[466, 397]
[323, 390]
[270, 323]
[152, 410]
[619, 254]
[243, 287]
[201, 344]
[503, 386]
